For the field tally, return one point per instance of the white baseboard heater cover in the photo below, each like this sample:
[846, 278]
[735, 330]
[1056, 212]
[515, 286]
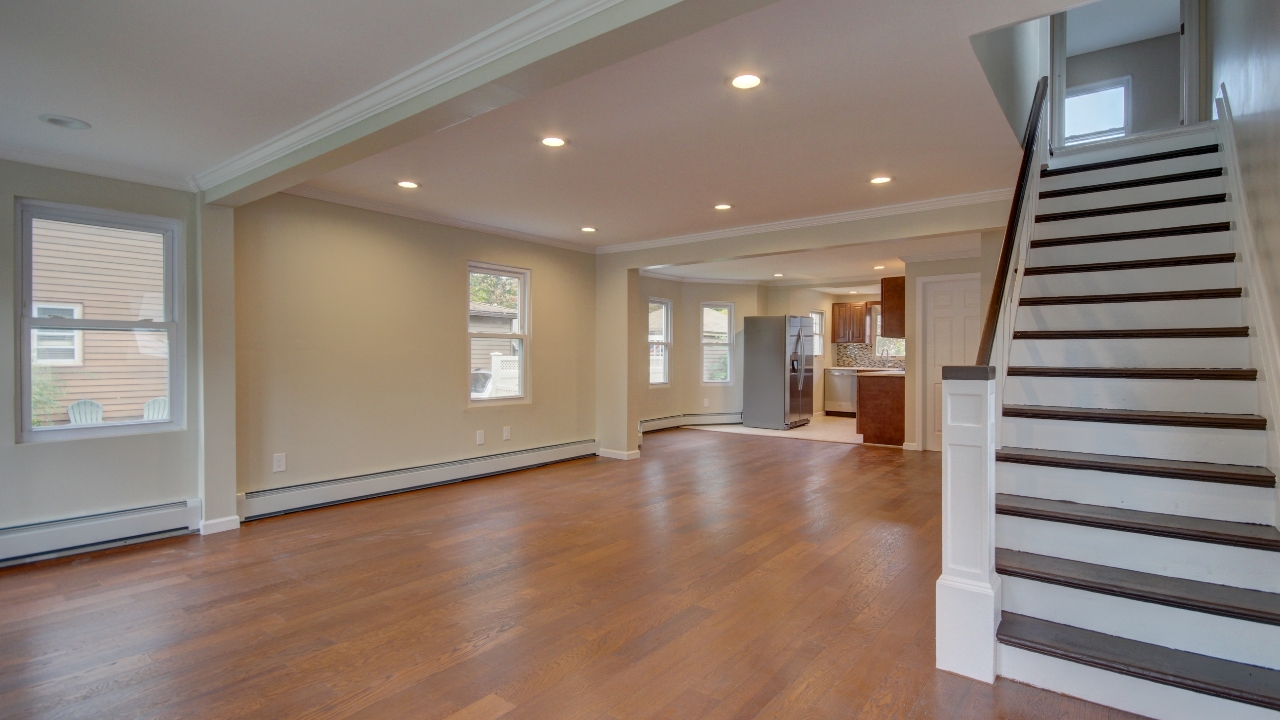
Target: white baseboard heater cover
[671, 421]
[26, 543]
[265, 503]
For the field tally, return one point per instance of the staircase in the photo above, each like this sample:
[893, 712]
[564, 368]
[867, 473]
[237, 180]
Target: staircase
[1135, 516]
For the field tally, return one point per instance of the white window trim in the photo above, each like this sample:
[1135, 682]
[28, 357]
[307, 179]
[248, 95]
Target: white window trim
[1125, 82]
[702, 359]
[665, 342]
[820, 334]
[523, 336]
[172, 230]
[77, 310]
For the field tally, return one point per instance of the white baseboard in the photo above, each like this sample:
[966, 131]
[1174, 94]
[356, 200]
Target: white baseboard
[38, 541]
[619, 454]
[910, 446]
[264, 503]
[217, 525]
[671, 421]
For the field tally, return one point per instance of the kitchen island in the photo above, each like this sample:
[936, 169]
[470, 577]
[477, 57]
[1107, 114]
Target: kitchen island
[882, 406]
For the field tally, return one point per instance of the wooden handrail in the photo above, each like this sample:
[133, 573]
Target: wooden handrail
[1029, 139]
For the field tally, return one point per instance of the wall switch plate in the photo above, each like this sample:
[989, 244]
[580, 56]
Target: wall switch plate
[479, 437]
[706, 402]
[506, 432]
[277, 462]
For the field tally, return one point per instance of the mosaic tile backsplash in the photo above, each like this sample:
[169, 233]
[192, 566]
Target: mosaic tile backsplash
[864, 355]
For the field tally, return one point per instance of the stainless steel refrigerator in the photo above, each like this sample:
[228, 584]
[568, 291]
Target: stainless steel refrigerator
[777, 383]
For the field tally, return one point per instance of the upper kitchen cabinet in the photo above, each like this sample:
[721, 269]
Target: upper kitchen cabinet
[849, 322]
[893, 307]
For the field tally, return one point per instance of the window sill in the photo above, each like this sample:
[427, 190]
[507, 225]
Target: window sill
[473, 403]
[85, 432]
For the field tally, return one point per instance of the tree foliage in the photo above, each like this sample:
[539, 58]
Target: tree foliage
[500, 290]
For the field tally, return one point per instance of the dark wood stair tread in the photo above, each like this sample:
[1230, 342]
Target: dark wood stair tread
[1136, 334]
[1138, 417]
[1150, 467]
[1248, 374]
[1176, 231]
[1182, 261]
[1219, 532]
[1127, 184]
[1203, 674]
[1223, 600]
[1172, 295]
[1134, 208]
[1136, 160]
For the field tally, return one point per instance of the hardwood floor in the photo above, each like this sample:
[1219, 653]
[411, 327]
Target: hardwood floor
[720, 576]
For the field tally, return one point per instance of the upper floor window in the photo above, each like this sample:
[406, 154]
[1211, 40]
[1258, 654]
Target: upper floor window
[498, 328]
[102, 325]
[717, 342]
[659, 341]
[1097, 111]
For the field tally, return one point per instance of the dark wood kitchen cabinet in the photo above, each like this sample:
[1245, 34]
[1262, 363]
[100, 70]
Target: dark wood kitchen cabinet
[849, 322]
[893, 307]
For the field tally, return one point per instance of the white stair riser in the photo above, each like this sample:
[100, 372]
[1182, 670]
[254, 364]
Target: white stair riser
[1141, 249]
[1220, 312]
[1238, 397]
[1231, 447]
[1127, 222]
[1143, 697]
[1168, 279]
[1133, 352]
[1170, 496]
[1130, 196]
[1206, 562]
[1133, 172]
[1201, 633]
[1104, 151]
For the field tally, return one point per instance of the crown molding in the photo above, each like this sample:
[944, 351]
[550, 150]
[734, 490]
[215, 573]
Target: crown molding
[516, 32]
[413, 214]
[58, 161]
[712, 281]
[817, 220]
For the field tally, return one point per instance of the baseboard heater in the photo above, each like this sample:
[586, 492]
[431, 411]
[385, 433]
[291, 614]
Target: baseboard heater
[671, 421]
[40, 541]
[260, 504]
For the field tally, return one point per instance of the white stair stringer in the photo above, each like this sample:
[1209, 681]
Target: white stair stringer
[1168, 496]
[1236, 397]
[1213, 445]
[1219, 352]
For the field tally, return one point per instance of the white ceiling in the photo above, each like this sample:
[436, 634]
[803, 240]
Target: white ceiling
[1110, 23]
[849, 267]
[175, 87]
[852, 89]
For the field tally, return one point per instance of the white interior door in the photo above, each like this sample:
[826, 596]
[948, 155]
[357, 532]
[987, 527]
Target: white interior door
[952, 328]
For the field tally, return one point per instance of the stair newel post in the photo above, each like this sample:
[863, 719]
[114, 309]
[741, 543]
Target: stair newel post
[968, 592]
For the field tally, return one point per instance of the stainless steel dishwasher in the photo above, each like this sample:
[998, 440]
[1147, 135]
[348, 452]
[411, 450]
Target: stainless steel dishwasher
[841, 396]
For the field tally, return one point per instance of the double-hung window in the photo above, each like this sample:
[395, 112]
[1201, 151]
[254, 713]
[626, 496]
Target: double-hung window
[498, 327]
[717, 343]
[102, 325]
[819, 333]
[1097, 111]
[659, 341]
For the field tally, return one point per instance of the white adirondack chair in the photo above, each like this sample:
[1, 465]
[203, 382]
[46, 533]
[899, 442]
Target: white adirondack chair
[85, 412]
[156, 409]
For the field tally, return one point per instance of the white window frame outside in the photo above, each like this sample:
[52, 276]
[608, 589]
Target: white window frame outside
[174, 325]
[1125, 82]
[77, 311]
[523, 312]
[819, 318]
[665, 343]
[703, 343]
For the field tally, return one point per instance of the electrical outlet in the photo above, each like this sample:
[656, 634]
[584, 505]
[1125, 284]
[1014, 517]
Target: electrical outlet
[506, 432]
[479, 437]
[277, 462]
[706, 402]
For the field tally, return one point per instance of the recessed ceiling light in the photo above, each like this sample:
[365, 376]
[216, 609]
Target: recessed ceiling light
[407, 184]
[853, 292]
[777, 274]
[723, 206]
[63, 121]
[553, 141]
[880, 180]
[746, 82]
[879, 267]
[588, 229]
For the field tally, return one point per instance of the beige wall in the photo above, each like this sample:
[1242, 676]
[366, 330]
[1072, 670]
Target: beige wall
[70, 478]
[351, 345]
[1155, 69]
